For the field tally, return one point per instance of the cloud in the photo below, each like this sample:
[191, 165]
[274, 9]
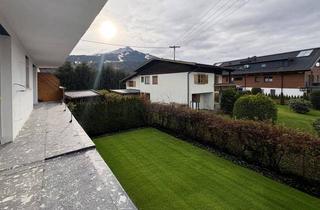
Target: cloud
[258, 27]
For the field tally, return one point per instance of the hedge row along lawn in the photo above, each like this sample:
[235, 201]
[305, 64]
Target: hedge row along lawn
[159, 171]
[303, 122]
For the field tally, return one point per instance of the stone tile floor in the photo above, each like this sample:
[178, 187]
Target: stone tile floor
[53, 164]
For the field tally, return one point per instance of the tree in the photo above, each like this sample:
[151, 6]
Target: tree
[84, 77]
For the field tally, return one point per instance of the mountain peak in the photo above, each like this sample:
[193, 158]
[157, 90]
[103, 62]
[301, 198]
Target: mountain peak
[123, 50]
[125, 58]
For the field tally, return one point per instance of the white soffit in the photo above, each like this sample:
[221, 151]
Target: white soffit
[49, 29]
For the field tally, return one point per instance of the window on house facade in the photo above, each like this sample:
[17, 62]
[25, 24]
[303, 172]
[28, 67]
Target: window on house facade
[142, 79]
[237, 78]
[147, 80]
[132, 83]
[201, 79]
[272, 92]
[268, 79]
[27, 72]
[257, 79]
[154, 80]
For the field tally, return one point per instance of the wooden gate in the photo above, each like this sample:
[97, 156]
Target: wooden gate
[49, 88]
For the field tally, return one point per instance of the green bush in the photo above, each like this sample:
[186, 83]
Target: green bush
[255, 107]
[300, 105]
[112, 113]
[228, 98]
[316, 126]
[256, 91]
[277, 148]
[315, 99]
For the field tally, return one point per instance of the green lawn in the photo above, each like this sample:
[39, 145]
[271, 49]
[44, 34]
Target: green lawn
[302, 122]
[159, 171]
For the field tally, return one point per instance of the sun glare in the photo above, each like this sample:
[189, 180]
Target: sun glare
[108, 29]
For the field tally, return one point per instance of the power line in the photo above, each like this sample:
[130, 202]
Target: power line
[122, 45]
[213, 15]
[200, 18]
[221, 10]
[135, 46]
[232, 11]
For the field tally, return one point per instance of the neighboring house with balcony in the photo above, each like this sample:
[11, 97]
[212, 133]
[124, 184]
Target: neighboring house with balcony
[170, 81]
[45, 161]
[291, 73]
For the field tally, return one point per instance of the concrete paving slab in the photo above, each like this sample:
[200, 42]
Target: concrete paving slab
[53, 164]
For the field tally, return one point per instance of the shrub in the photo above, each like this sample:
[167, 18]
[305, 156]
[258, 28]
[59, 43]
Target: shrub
[110, 113]
[316, 126]
[228, 98]
[300, 105]
[256, 91]
[277, 148]
[315, 99]
[255, 107]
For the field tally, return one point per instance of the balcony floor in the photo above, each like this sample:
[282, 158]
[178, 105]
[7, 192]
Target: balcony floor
[53, 164]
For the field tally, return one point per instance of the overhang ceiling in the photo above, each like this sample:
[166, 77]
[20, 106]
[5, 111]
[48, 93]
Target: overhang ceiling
[49, 29]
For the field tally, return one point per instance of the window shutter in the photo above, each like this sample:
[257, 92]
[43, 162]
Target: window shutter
[196, 79]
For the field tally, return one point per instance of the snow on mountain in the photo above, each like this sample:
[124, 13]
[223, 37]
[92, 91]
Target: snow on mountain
[126, 59]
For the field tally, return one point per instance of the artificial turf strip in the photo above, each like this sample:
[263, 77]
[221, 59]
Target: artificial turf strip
[159, 171]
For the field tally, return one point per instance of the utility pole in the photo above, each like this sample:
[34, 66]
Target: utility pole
[174, 47]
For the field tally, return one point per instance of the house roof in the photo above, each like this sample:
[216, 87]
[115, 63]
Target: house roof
[126, 91]
[300, 60]
[81, 94]
[167, 66]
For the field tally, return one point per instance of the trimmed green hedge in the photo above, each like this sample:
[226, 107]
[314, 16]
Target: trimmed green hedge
[110, 113]
[255, 107]
[256, 91]
[300, 105]
[315, 99]
[228, 98]
[277, 148]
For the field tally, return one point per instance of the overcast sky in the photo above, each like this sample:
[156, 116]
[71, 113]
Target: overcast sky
[221, 29]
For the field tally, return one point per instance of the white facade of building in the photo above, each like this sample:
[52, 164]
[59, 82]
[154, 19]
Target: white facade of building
[35, 34]
[277, 91]
[174, 88]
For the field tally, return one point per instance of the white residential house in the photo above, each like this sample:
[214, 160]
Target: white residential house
[35, 34]
[169, 81]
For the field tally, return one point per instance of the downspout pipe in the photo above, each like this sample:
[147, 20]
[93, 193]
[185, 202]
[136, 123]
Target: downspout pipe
[188, 88]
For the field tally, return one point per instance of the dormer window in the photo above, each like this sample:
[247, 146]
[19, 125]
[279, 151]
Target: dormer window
[247, 66]
[305, 53]
[318, 64]
[263, 65]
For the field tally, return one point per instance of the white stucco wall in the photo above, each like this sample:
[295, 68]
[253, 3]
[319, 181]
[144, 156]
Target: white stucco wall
[170, 88]
[286, 91]
[174, 88]
[16, 101]
[22, 97]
